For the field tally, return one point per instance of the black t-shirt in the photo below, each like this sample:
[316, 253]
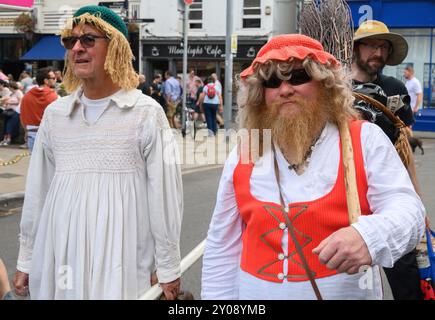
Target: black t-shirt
[143, 87]
[156, 94]
[392, 87]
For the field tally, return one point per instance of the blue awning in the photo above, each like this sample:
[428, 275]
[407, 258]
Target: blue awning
[47, 48]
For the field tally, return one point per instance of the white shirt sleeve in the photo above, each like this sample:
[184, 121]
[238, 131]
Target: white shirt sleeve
[165, 197]
[40, 174]
[397, 222]
[223, 247]
[418, 87]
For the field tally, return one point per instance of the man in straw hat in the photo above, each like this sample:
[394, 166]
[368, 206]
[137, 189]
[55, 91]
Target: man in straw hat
[374, 47]
[103, 205]
[281, 227]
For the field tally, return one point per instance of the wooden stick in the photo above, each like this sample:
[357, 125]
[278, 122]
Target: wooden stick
[353, 206]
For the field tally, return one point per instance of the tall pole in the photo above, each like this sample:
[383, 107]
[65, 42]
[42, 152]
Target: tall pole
[228, 67]
[185, 31]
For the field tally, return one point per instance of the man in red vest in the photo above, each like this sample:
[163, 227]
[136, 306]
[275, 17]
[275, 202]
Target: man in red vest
[281, 227]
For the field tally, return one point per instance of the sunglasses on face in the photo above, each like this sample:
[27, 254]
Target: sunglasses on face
[297, 77]
[86, 41]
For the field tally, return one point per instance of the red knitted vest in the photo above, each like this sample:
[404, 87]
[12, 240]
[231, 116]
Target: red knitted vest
[262, 254]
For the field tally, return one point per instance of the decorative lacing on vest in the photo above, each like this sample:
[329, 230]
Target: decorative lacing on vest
[313, 221]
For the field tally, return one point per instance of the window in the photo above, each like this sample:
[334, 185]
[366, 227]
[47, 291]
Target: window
[429, 88]
[251, 14]
[13, 49]
[134, 11]
[195, 15]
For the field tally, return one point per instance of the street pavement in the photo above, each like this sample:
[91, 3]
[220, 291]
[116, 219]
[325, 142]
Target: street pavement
[200, 182]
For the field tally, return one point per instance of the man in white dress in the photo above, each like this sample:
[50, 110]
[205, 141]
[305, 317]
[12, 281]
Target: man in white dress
[280, 228]
[103, 204]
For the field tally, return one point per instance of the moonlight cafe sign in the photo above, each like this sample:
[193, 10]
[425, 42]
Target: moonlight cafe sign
[195, 50]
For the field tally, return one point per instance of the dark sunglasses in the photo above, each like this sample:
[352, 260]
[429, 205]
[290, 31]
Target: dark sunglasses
[297, 77]
[86, 41]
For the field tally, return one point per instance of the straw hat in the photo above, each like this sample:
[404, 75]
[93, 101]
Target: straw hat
[372, 29]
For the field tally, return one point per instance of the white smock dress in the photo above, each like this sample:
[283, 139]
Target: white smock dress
[103, 203]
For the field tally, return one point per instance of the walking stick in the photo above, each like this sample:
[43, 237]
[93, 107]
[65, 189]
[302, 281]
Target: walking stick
[352, 199]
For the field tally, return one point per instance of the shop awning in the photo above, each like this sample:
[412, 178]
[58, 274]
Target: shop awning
[47, 48]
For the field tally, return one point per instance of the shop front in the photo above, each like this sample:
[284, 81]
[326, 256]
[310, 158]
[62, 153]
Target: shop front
[12, 46]
[204, 57]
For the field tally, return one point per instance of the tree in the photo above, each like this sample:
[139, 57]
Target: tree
[25, 23]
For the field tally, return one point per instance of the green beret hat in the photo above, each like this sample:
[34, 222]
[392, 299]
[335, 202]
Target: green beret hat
[105, 14]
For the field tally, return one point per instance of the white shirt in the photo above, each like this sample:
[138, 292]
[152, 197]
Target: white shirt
[414, 88]
[94, 108]
[215, 99]
[394, 228]
[103, 202]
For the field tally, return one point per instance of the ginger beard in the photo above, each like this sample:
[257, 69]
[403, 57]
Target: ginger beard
[295, 133]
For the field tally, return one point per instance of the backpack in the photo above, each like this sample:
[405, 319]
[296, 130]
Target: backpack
[211, 91]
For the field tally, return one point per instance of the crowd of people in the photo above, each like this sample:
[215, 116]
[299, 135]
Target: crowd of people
[104, 193]
[203, 95]
[22, 103]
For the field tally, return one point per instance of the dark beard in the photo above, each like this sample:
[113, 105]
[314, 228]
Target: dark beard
[371, 71]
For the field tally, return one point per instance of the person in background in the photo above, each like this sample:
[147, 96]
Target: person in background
[211, 100]
[219, 116]
[58, 75]
[192, 88]
[217, 82]
[142, 85]
[156, 90]
[12, 119]
[199, 109]
[414, 89]
[180, 82]
[374, 48]
[35, 102]
[4, 89]
[172, 94]
[26, 81]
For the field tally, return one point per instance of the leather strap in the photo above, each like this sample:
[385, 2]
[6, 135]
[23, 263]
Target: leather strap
[291, 229]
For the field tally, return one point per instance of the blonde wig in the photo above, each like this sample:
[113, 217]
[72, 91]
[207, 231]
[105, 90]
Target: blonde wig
[118, 63]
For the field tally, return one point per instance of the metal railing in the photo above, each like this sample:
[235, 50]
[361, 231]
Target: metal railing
[155, 291]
